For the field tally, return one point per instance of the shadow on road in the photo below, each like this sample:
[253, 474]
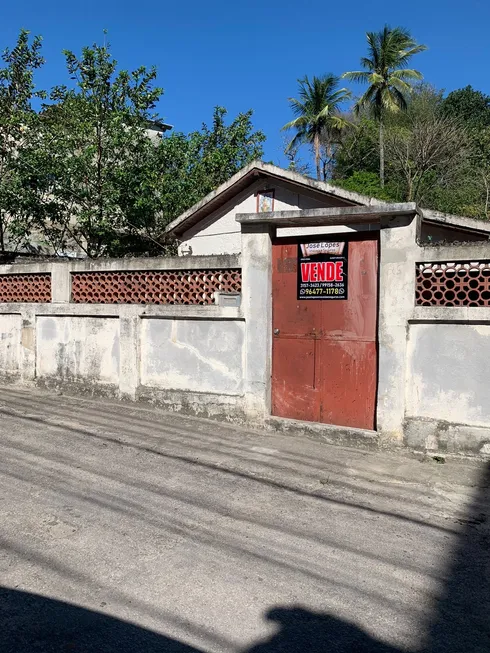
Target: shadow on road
[459, 623]
[31, 623]
[35, 623]
[302, 631]
[193, 503]
[461, 615]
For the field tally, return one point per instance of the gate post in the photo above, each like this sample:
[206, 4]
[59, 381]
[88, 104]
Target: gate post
[398, 253]
[257, 309]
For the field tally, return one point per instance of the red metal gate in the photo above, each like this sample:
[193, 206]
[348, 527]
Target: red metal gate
[324, 355]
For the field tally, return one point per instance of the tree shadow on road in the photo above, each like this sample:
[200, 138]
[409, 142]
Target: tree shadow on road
[302, 631]
[460, 618]
[457, 622]
[32, 623]
[36, 624]
[460, 622]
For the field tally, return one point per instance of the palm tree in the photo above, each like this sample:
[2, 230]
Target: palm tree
[317, 113]
[389, 81]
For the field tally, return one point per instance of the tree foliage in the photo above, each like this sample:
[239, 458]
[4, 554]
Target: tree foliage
[367, 183]
[359, 148]
[437, 153]
[469, 106]
[185, 168]
[17, 125]
[83, 174]
[472, 109]
[96, 151]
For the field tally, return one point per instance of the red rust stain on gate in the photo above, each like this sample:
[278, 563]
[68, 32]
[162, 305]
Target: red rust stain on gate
[324, 358]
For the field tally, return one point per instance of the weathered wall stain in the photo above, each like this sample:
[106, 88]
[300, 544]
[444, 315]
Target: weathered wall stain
[10, 329]
[194, 355]
[78, 348]
[448, 373]
[28, 337]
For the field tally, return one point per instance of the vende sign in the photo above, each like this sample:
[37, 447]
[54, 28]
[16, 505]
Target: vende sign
[328, 271]
[322, 270]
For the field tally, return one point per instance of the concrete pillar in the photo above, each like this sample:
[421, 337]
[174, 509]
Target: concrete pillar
[129, 352]
[60, 283]
[257, 309]
[27, 354]
[398, 254]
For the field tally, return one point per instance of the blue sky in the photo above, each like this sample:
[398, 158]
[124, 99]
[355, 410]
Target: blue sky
[250, 54]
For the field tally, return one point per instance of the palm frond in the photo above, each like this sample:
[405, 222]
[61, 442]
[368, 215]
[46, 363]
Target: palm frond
[299, 108]
[407, 53]
[357, 76]
[400, 98]
[368, 99]
[401, 85]
[373, 48]
[295, 142]
[368, 63]
[389, 105]
[297, 123]
[342, 95]
[376, 79]
[325, 112]
[393, 100]
[406, 73]
[305, 89]
[339, 122]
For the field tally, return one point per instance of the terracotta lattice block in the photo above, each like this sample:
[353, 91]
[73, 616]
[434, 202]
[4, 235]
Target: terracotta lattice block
[158, 287]
[465, 283]
[34, 288]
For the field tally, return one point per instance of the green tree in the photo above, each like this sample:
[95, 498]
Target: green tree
[389, 82]
[97, 153]
[358, 150]
[472, 109]
[425, 147]
[469, 106]
[220, 151]
[186, 167]
[318, 120]
[367, 183]
[17, 125]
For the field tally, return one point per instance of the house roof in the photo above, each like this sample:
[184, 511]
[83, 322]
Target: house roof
[251, 173]
[334, 215]
[259, 170]
[455, 221]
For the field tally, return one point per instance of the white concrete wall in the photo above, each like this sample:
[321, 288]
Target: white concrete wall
[10, 342]
[216, 360]
[159, 353]
[448, 373]
[183, 357]
[78, 349]
[219, 233]
[192, 355]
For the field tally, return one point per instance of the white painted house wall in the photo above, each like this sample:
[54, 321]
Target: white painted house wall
[220, 233]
